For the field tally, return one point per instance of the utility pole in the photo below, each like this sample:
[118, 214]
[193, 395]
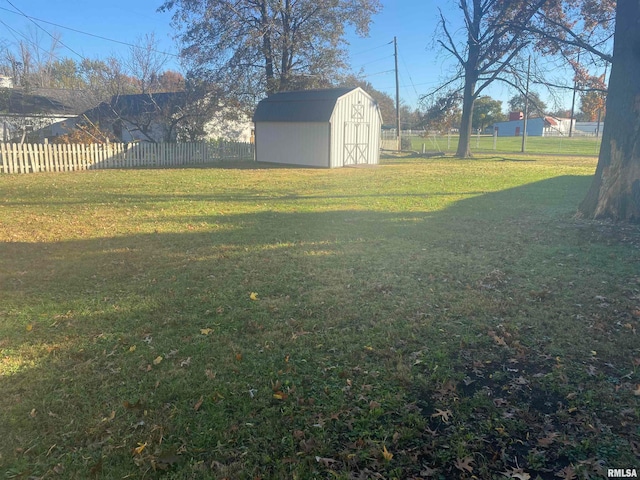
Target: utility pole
[398, 134]
[573, 101]
[526, 108]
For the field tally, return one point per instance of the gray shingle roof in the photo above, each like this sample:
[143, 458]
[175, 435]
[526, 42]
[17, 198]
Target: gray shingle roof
[300, 106]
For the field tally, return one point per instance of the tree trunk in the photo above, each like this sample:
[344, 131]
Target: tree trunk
[464, 142]
[267, 50]
[615, 191]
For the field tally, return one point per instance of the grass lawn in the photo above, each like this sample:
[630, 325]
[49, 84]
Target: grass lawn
[435, 319]
[485, 143]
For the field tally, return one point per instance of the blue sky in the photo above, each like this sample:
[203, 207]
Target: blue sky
[413, 22]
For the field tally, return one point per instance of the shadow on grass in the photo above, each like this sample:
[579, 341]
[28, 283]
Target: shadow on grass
[85, 322]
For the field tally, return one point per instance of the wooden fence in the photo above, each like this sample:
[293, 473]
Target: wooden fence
[32, 158]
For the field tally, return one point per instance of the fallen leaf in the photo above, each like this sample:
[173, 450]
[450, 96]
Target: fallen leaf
[210, 374]
[280, 395]
[132, 406]
[428, 472]
[636, 392]
[140, 448]
[186, 362]
[567, 473]
[253, 296]
[518, 473]
[548, 440]
[238, 357]
[33, 413]
[132, 348]
[464, 464]
[499, 340]
[110, 417]
[386, 454]
[206, 331]
[443, 414]
[325, 461]
[157, 360]
[29, 327]
[198, 404]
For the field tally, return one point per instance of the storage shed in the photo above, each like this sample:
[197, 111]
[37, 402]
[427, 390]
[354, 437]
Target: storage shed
[327, 128]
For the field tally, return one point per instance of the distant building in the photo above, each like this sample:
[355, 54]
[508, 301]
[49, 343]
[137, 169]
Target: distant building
[590, 128]
[536, 127]
[6, 82]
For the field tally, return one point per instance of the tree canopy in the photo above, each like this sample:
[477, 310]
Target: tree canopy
[536, 105]
[486, 111]
[253, 47]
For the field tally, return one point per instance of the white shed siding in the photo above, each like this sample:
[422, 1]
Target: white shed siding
[293, 143]
[356, 107]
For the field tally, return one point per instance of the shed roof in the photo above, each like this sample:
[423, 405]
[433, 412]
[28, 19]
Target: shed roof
[300, 106]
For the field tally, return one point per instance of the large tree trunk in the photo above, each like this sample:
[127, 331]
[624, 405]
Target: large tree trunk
[615, 191]
[267, 50]
[464, 142]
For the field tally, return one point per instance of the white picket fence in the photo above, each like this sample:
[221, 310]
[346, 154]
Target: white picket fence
[33, 158]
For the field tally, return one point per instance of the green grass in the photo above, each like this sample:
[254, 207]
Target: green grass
[449, 313]
[535, 145]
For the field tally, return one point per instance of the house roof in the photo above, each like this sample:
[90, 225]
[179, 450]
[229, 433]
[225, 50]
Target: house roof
[134, 105]
[45, 101]
[300, 106]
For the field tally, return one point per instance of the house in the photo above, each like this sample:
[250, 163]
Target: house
[327, 128]
[132, 118]
[536, 127]
[158, 117]
[30, 115]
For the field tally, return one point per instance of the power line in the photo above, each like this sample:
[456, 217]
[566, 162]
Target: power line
[410, 79]
[371, 49]
[13, 32]
[45, 31]
[374, 61]
[377, 73]
[87, 33]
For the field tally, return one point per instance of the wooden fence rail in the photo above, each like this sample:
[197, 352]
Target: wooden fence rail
[32, 158]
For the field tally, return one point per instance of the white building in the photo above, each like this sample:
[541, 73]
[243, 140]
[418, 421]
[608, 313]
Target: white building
[536, 127]
[328, 128]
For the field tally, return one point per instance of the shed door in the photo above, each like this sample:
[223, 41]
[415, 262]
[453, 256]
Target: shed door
[356, 143]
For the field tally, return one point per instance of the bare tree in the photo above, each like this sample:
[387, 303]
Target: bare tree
[145, 62]
[486, 51]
